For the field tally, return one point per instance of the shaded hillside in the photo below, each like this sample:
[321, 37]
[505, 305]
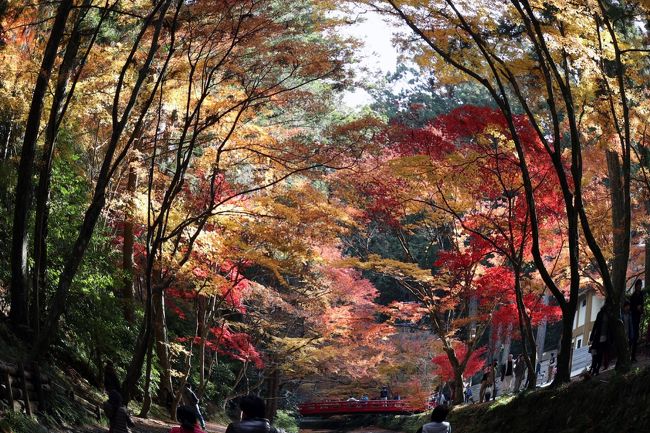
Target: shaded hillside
[616, 404]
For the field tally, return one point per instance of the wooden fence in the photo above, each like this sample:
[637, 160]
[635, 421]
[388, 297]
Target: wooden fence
[26, 389]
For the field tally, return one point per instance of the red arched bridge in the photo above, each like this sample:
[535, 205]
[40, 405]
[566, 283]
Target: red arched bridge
[351, 407]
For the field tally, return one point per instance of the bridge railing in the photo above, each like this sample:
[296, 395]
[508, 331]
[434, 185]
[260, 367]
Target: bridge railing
[368, 406]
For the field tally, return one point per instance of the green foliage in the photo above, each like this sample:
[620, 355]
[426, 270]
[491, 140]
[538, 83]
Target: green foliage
[21, 423]
[63, 411]
[414, 98]
[287, 421]
[220, 384]
[104, 332]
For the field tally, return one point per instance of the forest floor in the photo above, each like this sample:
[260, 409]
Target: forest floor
[144, 426]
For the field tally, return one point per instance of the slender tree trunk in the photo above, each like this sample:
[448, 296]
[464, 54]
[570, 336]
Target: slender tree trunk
[146, 403]
[273, 385]
[165, 389]
[109, 165]
[202, 331]
[127, 250]
[142, 345]
[57, 111]
[621, 249]
[563, 374]
[525, 329]
[19, 282]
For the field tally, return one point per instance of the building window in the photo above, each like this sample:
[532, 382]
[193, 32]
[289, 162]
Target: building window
[582, 312]
[578, 342]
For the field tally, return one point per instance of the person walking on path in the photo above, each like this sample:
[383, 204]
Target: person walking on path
[186, 416]
[636, 311]
[111, 381]
[626, 315]
[494, 380]
[508, 375]
[551, 366]
[520, 370]
[468, 393]
[252, 417]
[190, 399]
[486, 381]
[438, 423]
[119, 420]
[599, 340]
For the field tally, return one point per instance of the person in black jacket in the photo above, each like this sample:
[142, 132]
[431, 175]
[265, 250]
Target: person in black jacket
[190, 399]
[636, 311]
[252, 417]
[111, 381]
[599, 341]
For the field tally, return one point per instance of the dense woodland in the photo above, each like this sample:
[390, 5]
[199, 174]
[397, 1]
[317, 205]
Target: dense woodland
[183, 191]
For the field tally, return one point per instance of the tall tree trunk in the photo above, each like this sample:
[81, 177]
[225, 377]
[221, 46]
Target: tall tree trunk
[19, 283]
[525, 329]
[57, 111]
[165, 389]
[109, 165]
[563, 374]
[127, 250]
[621, 248]
[146, 403]
[201, 302]
[273, 385]
[143, 342]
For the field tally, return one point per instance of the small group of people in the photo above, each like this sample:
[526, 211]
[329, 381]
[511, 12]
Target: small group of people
[362, 398]
[119, 421]
[252, 411]
[443, 394]
[512, 372]
[384, 394]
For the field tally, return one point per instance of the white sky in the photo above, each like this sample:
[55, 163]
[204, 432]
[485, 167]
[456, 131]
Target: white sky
[377, 57]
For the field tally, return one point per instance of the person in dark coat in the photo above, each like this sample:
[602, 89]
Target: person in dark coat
[599, 340]
[636, 311]
[252, 417]
[190, 399]
[520, 371]
[189, 422]
[119, 420]
[111, 381]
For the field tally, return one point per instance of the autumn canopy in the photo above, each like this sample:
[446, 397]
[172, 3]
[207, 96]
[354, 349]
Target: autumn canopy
[185, 192]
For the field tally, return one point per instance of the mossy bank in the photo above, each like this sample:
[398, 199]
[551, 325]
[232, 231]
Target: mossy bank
[618, 404]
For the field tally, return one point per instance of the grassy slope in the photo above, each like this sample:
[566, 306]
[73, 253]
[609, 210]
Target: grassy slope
[621, 405]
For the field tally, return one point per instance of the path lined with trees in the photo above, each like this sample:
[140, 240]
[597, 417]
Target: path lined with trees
[189, 201]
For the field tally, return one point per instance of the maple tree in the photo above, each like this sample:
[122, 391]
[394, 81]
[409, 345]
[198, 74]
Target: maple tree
[188, 173]
[195, 141]
[465, 169]
[570, 49]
